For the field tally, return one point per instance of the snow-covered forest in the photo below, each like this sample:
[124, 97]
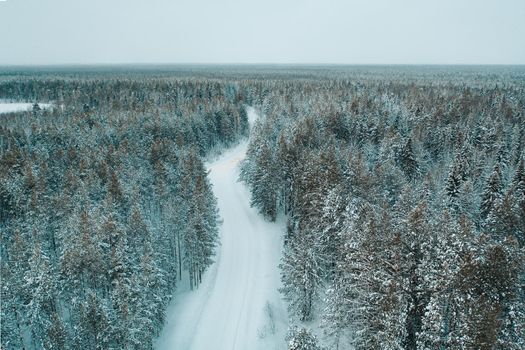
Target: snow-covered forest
[405, 200]
[402, 190]
[106, 205]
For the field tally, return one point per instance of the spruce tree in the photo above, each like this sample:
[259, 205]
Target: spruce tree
[42, 304]
[300, 275]
[408, 160]
[492, 193]
[302, 339]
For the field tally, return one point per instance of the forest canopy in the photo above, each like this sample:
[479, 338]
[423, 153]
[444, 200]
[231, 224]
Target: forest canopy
[403, 190]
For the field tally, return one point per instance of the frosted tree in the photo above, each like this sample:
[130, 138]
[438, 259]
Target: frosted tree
[300, 275]
[366, 302]
[492, 193]
[95, 326]
[512, 314]
[42, 303]
[206, 224]
[137, 232]
[302, 339]
[199, 237]
[408, 161]
[518, 181]
[57, 337]
[341, 296]
[415, 236]
[152, 287]
[515, 198]
[328, 228]
[285, 163]
[443, 322]
[264, 196]
[81, 257]
[454, 180]
[13, 292]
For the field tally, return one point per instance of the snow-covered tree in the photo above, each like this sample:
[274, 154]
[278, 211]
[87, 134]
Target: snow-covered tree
[407, 160]
[264, 191]
[302, 339]
[300, 275]
[95, 325]
[42, 303]
[492, 193]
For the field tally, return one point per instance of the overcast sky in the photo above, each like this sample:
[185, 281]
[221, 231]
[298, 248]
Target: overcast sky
[262, 31]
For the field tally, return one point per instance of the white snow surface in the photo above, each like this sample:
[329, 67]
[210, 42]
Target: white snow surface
[229, 310]
[8, 107]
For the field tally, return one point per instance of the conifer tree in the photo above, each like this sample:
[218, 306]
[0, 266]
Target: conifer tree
[408, 160]
[453, 184]
[302, 339]
[300, 275]
[492, 193]
[42, 287]
[95, 327]
[263, 184]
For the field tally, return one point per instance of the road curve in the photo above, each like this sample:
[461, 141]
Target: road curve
[229, 310]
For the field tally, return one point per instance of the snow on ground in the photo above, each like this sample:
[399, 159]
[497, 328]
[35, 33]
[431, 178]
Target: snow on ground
[8, 107]
[238, 305]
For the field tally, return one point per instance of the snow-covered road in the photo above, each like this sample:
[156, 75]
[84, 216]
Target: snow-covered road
[232, 307]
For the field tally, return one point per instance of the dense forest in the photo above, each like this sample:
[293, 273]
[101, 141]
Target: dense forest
[405, 205]
[105, 204]
[403, 190]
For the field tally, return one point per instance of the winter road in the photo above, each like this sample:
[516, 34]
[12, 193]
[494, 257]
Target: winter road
[237, 306]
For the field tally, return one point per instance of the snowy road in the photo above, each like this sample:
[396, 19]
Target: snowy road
[229, 310]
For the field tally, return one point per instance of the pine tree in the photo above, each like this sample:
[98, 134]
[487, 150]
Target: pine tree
[300, 275]
[490, 283]
[518, 182]
[14, 295]
[137, 231]
[121, 301]
[302, 339]
[152, 286]
[199, 235]
[95, 327]
[454, 181]
[339, 314]
[492, 193]
[366, 304]
[408, 160]
[329, 227]
[444, 313]
[285, 164]
[511, 333]
[10, 329]
[516, 200]
[81, 257]
[414, 235]
[57, 337]
[264, 189]
[206, 224]
[42, 305]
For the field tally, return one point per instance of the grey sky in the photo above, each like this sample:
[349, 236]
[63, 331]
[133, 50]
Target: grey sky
[262, 31]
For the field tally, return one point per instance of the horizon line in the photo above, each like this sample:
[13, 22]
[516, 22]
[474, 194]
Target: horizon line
[290, 64]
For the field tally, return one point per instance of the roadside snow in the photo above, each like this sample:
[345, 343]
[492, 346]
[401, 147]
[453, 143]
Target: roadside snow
[8, 107]
[238, 305]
